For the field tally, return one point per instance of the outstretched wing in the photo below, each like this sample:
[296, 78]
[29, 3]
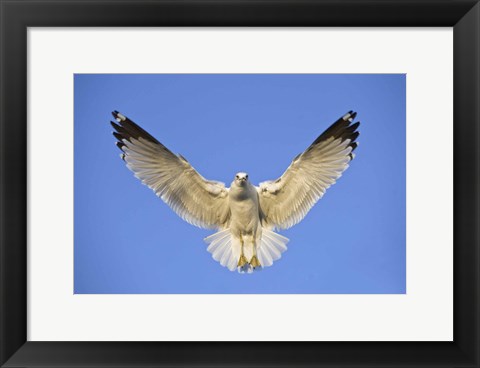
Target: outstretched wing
[285, 201]
[200, 202]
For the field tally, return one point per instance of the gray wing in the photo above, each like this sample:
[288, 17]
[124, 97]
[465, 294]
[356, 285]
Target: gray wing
[285, 201]
[200, 202]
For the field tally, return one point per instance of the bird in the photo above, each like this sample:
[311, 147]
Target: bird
[247, 218]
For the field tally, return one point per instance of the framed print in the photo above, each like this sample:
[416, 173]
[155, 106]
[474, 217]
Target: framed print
[353, 270]
[380, 268]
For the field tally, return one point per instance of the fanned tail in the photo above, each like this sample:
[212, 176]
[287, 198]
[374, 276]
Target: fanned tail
[225, 249]
[222, 249]
[271, 247]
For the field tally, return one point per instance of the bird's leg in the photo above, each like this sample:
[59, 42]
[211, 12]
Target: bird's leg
[242, 261]
[254, 262]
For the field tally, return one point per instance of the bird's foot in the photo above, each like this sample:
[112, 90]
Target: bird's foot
[254, 262]
[242, 261]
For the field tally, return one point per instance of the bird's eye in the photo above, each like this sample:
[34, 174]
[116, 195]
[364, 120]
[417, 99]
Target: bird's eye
[246, 176]
[236, 176]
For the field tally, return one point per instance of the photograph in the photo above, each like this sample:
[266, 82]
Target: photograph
[167, 165]
[224, 184]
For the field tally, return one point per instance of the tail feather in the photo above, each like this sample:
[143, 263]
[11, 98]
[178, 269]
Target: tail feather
[278, 240]
[221, 248]
[225, 249]
[271, 247]
[227, 258]
[274, 251]
[264, 257]
[214, 239]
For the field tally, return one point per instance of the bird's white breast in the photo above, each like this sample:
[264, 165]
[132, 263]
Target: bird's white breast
[244, 209]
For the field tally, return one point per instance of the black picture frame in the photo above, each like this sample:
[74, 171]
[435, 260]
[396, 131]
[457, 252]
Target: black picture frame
[17, 15]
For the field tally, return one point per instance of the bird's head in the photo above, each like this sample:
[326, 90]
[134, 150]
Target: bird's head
[241, 178]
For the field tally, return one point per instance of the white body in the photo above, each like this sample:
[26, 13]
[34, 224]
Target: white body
[245, 227]
[245, 230]
[244, 212]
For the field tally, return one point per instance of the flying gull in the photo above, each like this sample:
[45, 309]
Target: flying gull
[244, 215]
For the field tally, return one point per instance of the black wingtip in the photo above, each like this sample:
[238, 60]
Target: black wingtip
[118, 136]
[118, 117]
[344, 128]
[349, 116]
[120, 145]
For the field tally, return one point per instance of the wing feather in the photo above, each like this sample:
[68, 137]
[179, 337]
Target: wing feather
[200, 202]
[285, 202]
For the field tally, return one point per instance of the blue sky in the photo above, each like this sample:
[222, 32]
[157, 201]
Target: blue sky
[128, 241]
